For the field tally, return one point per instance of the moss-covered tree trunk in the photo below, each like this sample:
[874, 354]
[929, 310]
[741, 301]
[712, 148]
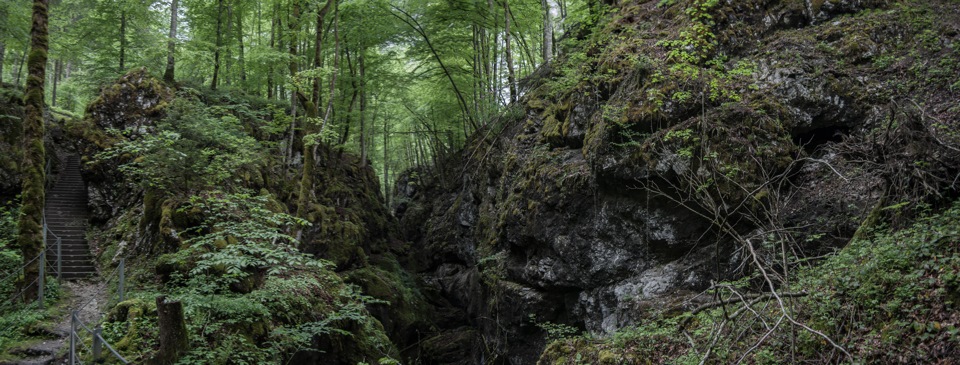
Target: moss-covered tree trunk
[34, 157]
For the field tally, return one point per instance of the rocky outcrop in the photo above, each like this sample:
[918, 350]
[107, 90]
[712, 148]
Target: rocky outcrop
[686, 131]
[11, 113]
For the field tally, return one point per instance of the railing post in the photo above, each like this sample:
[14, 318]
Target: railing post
[73, 338]
[59, 259]
[97, 344]
[42, 280]
[122, 277]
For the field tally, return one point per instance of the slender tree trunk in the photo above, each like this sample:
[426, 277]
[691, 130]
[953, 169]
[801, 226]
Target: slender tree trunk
[30, 236]
[3, 52]
[547, 31]
[318, 47]
[363, 109]
[336, 64]
[309, 149]
[123, 40]
[243, 70]
[387, 184]
[57, 65]
[353, 98]
[216, 50]
[496, 88]
[273, 37]
[228, 48]
[511, 77]
[475, 68]
[293, 25]
[171, 43]
[23, 58]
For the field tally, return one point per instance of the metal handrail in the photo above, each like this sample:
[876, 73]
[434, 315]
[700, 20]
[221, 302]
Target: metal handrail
[97, 338]
[59, 245]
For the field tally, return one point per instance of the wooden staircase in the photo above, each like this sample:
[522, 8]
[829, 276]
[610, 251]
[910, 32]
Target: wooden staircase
[66, 217]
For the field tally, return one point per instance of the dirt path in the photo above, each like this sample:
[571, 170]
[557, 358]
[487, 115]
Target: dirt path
[88, 293]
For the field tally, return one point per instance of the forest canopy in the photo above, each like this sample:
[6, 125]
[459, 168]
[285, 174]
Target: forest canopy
[398, 82]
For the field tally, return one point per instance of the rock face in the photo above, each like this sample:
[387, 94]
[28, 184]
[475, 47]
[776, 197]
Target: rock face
[125, 109]
[11, 116]
[590, 205]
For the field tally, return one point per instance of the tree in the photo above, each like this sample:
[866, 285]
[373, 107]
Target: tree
[217, 46]
[547, 31]
[34, 156]
[171, 43]
[511, 77]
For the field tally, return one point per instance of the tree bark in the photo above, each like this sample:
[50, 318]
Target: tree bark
[386, 161]
[57, 66]
[547, 31]
[173, 332]
[228, 72]
[123, 40]
[511, 77]
[30, 236]
[242, 62]
[3, 52]
[363, 109]
[216, 50]
[274, 26]
[171, 43]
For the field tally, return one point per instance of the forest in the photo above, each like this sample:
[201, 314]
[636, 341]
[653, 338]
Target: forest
[550, 182]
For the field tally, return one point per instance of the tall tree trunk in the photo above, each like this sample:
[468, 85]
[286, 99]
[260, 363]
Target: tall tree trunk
[30, 237]
[23, 57]
[171, 43]
[293, 24]
[243, 70]
[309, 149]
[274, 26]
[123, 40]
[511, 77]
[57, 65]
[547, 31]
[216, 50]
[228, 73]
[3, 52]
[386, 161]
[318, 47]
[363, 109]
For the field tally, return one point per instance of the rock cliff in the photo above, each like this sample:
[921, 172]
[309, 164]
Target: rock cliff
[669, 134]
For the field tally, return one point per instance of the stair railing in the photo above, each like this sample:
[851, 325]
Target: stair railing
[77, 326]
[57, 246]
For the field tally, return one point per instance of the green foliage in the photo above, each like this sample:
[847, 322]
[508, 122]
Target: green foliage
[555, 331]
[696, 43]
[9, 254]
[195, 147]
[249, 295]
[239, 235]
